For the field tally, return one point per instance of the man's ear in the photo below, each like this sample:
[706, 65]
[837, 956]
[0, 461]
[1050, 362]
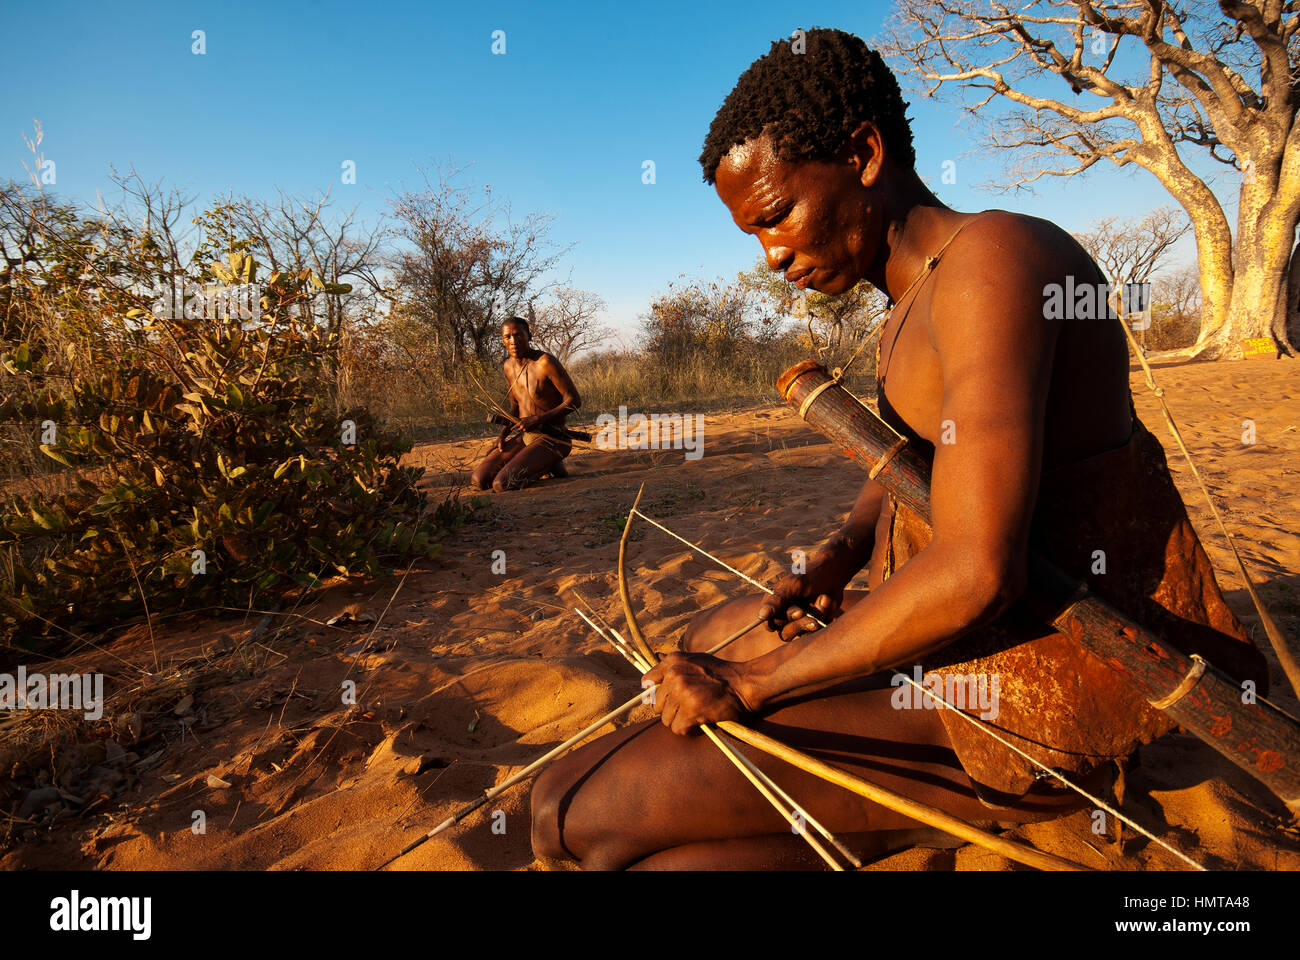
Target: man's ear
[865, 152]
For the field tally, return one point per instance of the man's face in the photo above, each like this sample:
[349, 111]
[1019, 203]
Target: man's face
[515, 337]
[815, 219]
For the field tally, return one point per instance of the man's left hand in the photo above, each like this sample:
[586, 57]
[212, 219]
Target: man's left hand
[695, 688]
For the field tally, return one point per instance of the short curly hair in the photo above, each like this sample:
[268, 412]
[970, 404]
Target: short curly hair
[811, 102]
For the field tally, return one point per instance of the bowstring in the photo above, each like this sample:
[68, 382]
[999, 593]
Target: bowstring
[1290, 669]
[978, 724]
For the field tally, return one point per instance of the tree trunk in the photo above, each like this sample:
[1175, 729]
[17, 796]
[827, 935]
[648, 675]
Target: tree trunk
[1265, 238]
[1254, 278]
[1256, 295]
[1214, 265]
[1289, 312]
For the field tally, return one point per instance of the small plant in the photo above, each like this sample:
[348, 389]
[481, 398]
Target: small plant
[749, 496]
[612, 523]
[206, 463]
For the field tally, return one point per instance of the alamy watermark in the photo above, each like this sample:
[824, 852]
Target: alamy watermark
[1097, 301]
[75, 913]
[193, 301]
[658, 431]
[977, 692]
[55, 691]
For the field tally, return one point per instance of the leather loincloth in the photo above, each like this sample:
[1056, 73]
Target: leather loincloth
[1055, 701]
[556, 437]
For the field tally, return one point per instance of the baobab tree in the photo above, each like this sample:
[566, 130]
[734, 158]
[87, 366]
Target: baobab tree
[1152, 83]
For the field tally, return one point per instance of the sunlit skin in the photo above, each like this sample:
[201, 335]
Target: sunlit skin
[1022, 391]
[541, 394]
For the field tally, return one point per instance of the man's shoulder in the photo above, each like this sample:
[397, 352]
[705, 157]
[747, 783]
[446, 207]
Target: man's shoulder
[1019, 237]
[1008, 258]
[548, 361]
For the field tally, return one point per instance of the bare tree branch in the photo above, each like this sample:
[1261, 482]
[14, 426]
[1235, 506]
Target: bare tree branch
[1161, 76]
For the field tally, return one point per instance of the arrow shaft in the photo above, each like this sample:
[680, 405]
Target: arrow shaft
[546, 758]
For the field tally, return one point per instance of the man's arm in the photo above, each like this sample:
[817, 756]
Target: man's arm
[858, 534]
[995, 352]
[820, 588]
[512, 402]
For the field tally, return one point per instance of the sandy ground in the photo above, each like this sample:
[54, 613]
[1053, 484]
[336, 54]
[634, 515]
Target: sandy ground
[470, 674]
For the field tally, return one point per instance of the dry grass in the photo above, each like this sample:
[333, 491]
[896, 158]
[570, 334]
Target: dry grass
[81, 764]
[438, 406]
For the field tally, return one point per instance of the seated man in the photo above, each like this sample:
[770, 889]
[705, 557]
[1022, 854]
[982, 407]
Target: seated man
[541, 397]
[1033, 440]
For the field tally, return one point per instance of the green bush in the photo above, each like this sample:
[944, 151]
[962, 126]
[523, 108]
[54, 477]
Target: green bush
[209, 466]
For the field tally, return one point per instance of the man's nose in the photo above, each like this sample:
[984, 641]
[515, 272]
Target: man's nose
[778, 258]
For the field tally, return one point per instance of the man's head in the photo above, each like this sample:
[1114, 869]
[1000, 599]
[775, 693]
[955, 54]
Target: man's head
[516, 336]
[801, 151]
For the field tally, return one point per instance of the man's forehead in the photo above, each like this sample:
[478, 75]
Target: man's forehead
[749, 174]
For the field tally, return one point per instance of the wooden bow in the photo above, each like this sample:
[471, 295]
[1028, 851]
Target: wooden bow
[634, 628]
[914, 809]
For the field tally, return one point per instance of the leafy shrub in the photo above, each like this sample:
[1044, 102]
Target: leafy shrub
[208, 466]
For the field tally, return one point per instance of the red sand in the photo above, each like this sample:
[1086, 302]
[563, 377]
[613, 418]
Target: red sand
[474, 674]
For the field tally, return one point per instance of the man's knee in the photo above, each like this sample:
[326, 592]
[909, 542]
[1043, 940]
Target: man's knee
[702, 632]
[548, 841]
[481, 475]
[602, 838]
[509, 479]
[713, 626]
[557, 836]
[693, 638]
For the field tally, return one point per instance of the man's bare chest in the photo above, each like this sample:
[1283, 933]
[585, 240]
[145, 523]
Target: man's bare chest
[910, 376]
[530, 386]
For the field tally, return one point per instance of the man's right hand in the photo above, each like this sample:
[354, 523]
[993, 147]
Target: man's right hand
[501, 438]
[819, 591]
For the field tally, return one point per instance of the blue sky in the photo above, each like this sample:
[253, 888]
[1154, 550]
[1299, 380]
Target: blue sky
[286, 92]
